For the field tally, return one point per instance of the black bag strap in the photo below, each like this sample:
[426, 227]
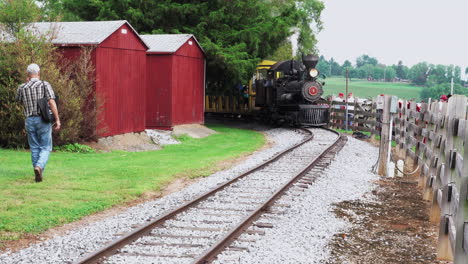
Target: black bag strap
[44, 89]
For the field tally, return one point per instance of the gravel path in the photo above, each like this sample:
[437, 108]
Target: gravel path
[206, 223]
[302, 231]
[76, 243]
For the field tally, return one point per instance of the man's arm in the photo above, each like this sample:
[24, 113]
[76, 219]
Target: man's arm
[53, 107]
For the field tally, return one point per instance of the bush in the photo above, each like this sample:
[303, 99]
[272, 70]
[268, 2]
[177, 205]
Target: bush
[436, 90]
[76, 148]
[71, 80]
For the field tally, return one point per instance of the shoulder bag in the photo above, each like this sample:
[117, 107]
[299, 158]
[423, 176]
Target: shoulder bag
[43, 104]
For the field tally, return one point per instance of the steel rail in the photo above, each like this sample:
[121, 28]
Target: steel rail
[209, 254]
[112, 247]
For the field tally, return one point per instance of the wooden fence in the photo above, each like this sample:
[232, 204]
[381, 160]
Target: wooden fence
[360, 117]
[432, 141]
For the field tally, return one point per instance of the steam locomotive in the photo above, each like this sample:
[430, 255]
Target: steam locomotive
[291, 94]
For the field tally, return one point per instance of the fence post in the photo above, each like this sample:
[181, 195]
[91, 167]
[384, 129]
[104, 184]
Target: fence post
[457, 128]
[419, 138]
[453, 185]
[461, 249]
[409, 135]
[384, 134]
[354, 125]
[432, 169]
[374, 119]
[404, 123]
[397, 127]
[440, 200]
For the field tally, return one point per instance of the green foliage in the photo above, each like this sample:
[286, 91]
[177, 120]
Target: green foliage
[14, 14]
[76, 185]
[235, 35]
[377, 72]
[330, 67]
[309, 11]
[70, 80]
[335, 68]
[365, 59]
[368, 70]
[436, 90]
[323, 66]
[389, 73]
[418, 73]
[401, 70]
[347, 64]
[284, 52]
[75, 148]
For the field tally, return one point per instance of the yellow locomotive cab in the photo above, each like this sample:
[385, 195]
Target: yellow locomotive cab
[231, 104]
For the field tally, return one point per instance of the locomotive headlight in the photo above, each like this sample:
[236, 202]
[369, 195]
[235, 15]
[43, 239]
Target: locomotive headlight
[313, 73]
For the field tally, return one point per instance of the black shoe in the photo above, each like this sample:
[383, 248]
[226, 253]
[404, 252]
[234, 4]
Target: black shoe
[38, 173]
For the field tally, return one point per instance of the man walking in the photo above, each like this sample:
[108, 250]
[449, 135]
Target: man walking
[39, 132]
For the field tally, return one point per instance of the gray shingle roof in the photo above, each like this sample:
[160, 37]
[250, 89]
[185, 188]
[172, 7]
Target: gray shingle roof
[79, 32]
[93, 32]
[169, 43]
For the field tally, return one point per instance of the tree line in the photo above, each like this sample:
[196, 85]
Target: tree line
[435, 78]
[236, 35]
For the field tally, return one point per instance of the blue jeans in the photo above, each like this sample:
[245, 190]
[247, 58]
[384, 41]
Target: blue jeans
[40, 140]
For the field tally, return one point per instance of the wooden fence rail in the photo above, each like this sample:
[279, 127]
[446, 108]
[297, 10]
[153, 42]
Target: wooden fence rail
[432, 140]
[360, 118]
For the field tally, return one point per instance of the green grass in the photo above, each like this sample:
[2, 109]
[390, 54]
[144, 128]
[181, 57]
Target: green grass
[76, 185]
[365, 89]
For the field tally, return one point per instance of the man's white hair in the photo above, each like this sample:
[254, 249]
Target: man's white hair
[33, 69]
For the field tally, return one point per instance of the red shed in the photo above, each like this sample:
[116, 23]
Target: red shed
[119, 58]
[176, 81]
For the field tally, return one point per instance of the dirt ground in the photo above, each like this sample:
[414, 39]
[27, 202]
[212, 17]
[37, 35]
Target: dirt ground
[394, 228]
[193, 130]
[132, 142]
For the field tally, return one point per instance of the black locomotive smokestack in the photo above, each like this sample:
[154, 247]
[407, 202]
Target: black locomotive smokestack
[310, 61]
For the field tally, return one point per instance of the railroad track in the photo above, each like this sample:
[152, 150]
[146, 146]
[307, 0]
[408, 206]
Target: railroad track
[199, 230]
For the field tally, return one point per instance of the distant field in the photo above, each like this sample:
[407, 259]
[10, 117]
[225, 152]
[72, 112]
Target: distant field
[364, 88]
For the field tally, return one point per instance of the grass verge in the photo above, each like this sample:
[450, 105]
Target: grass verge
[76, 185]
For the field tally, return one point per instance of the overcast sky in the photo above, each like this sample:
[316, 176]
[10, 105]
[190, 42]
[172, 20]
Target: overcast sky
[409, 30]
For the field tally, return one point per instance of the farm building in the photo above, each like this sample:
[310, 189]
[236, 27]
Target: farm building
[176, 81]
[119, 58]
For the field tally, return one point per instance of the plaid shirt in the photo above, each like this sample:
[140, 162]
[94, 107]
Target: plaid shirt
[28, 94]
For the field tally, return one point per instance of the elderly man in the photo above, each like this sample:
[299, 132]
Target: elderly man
[39, 132]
